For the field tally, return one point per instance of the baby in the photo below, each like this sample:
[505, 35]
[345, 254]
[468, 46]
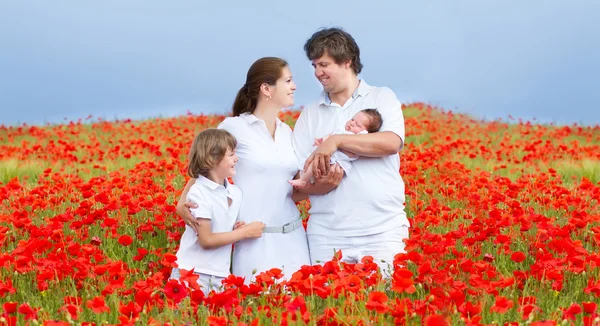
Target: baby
[363, 122]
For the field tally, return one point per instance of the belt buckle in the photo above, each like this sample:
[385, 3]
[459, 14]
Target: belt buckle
[283, 228]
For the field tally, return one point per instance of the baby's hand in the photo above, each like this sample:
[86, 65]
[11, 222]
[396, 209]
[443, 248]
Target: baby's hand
[238, 225]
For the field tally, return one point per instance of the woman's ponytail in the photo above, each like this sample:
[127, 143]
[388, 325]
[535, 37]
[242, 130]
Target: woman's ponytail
[264, 70]
[243, 102]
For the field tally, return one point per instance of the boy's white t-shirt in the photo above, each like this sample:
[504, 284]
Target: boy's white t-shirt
[212, 202]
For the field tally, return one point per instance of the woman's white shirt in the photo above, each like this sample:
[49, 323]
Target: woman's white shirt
[265, 165]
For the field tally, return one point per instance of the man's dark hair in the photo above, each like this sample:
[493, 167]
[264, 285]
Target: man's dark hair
[336, 42]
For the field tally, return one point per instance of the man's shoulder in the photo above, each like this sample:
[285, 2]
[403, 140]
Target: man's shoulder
[383, 97]
[382, 91]
[310, 108]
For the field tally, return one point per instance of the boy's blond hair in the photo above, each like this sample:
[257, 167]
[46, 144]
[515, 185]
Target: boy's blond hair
[207, 151]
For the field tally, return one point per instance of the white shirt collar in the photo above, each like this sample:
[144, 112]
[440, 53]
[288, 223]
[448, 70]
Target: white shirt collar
[251, 118]
[211, 184]
[362, 90]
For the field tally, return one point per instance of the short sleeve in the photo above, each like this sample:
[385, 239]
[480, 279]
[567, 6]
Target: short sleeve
[204, 209]
[391, 112]
[228, 124]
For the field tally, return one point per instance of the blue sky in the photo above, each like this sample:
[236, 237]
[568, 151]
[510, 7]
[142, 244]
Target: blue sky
[142, 58]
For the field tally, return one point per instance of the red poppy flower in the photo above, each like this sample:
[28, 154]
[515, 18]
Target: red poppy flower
[97, 305]
[502, 305]
[378, 302]
[517, 256]
[175, 291]
[10, 307]
[125, 240]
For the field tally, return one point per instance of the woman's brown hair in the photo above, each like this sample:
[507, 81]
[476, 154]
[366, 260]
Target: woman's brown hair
[264, 70]
[207, 151]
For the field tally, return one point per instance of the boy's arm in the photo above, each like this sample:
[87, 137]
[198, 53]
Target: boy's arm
[210, 240]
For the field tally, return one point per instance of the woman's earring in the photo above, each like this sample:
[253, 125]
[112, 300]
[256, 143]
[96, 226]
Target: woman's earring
[268, 98]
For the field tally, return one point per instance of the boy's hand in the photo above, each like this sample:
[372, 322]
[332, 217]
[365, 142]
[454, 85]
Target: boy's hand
[254, 229]
[238, 225]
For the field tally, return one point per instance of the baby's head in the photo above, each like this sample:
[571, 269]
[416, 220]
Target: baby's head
[213, 150]
[367, 119]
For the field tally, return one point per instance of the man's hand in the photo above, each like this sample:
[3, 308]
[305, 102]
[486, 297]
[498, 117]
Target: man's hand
[327, 182]
[183, 211]
[321, 156]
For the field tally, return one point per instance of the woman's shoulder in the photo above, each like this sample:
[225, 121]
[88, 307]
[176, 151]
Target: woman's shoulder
[235, 125]
[230, 121]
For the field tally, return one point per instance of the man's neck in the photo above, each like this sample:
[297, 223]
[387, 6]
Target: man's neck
[342, 97]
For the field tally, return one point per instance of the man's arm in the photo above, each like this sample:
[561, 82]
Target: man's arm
[388, 141]
[302, 141]
[373, 145]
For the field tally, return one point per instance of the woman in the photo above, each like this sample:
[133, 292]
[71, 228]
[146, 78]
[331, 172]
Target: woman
[266, 162]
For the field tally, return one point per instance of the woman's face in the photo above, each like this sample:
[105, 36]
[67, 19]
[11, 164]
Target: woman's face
[283, 92]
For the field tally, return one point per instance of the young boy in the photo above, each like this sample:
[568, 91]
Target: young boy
[212, 160]
[365, 121]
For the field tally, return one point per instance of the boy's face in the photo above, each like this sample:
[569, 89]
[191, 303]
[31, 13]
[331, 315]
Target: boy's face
[358, 123]
[331, 75]
[226, 167]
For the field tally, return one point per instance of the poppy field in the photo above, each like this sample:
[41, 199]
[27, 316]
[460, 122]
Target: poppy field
[505, 230]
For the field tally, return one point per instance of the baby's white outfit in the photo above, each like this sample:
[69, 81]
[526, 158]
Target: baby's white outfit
[343, 159]
[339, 156]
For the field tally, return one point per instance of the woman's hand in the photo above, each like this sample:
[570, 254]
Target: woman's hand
[183, 211]
[183, 207]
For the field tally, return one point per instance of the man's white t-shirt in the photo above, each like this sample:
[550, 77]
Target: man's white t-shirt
[212, 200]
[371, 199]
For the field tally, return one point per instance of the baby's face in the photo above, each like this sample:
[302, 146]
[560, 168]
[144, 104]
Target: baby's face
[358, 123]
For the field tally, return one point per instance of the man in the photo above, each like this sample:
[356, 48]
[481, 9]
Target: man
[364, 214]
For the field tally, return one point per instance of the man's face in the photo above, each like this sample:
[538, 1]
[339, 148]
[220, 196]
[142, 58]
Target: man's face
[330, 74]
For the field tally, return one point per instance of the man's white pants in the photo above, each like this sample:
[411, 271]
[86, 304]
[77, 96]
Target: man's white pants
[382, 247]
